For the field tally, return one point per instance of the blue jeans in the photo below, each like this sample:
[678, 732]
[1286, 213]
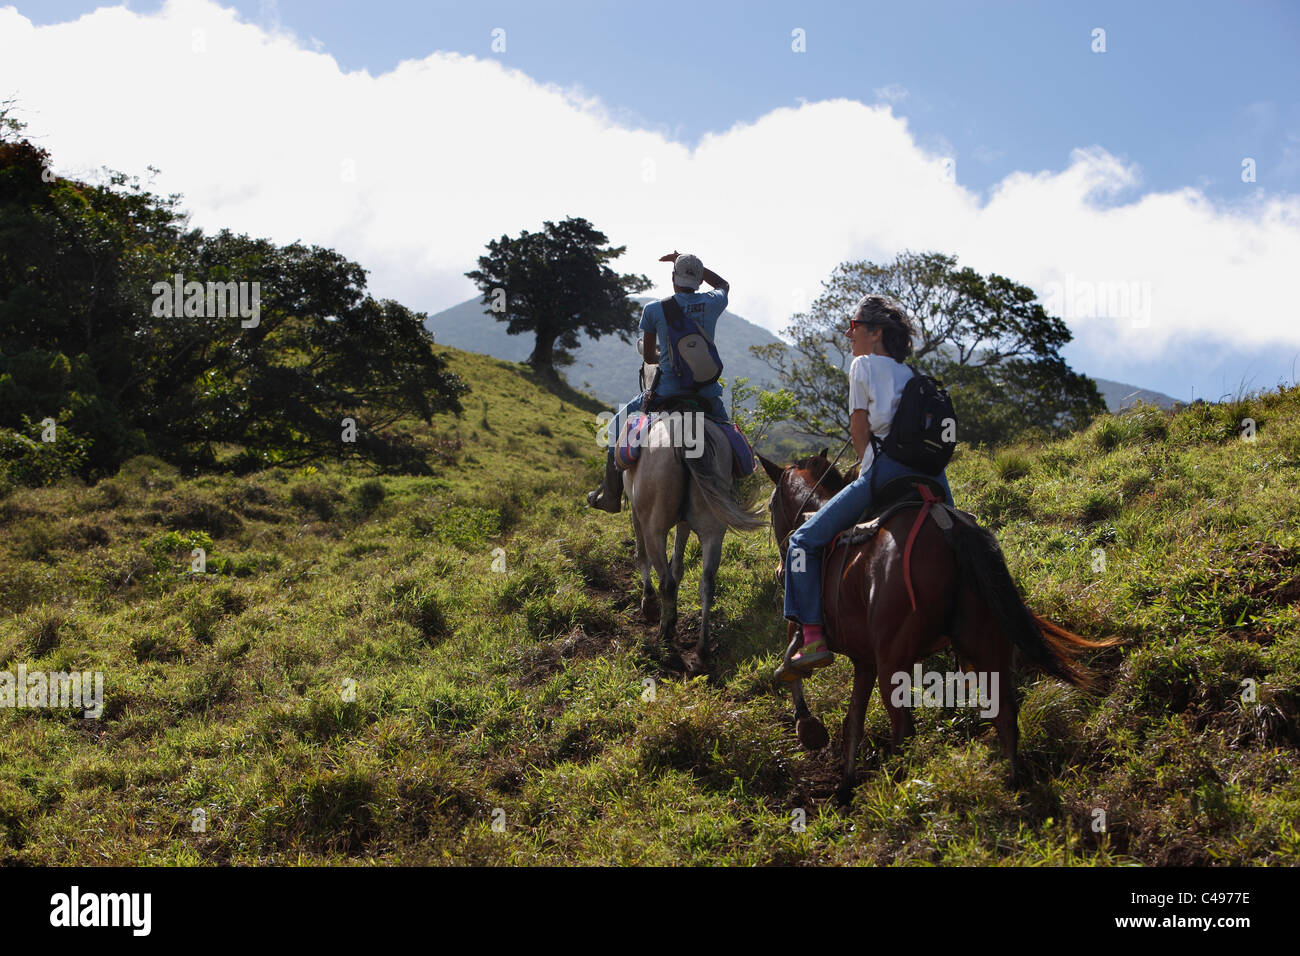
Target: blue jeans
[803, 587]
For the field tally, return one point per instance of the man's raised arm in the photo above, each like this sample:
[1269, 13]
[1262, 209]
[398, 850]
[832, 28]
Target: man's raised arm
[715, 280]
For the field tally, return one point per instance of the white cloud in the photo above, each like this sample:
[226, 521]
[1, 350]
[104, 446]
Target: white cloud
[891, 92]
[261, 134]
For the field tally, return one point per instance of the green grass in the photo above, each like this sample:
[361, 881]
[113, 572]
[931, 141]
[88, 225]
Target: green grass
[352, 681]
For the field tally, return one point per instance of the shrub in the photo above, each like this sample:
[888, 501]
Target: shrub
[150, 646]
[1100, 504]
[29, 461]
[150, 473]
[1139, 424]
[524, 584]
[1003, 503]
[370, 495]
[172, 545]
[1012, 465]
[187, 511]
[423, 608]
[315, 497]
[109, 494]
[42, 633]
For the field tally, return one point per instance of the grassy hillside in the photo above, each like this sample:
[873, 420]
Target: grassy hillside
[529, 698]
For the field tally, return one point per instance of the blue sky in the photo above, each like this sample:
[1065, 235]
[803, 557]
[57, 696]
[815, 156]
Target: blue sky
[1181, 95]
[1186, 88]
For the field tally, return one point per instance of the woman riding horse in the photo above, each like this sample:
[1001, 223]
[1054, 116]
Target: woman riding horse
[881, 335]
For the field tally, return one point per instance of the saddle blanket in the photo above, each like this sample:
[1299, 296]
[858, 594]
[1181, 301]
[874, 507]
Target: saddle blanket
[636, 435]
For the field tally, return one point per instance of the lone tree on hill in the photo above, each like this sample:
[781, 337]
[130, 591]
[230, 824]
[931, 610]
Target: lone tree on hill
[556, 285]
[987, 338]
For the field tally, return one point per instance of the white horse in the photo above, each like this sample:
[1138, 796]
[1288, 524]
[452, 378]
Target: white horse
[689, 487]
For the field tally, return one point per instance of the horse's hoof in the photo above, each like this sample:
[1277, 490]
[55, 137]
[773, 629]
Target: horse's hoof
[811, 733]
[650, 612]
[672, 661]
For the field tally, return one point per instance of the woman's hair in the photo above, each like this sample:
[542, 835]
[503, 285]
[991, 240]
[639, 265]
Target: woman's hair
[882, 312]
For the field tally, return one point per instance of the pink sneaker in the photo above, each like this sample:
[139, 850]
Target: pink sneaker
[812, 655]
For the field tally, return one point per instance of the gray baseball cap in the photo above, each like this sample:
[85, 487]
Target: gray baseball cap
[688, 271]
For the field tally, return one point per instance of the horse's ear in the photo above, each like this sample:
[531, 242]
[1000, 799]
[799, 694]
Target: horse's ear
[774, 471]
[824, 451]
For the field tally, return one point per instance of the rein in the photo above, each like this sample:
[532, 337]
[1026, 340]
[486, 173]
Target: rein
[808, 497]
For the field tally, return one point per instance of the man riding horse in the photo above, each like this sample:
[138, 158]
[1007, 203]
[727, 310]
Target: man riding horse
[670, 381]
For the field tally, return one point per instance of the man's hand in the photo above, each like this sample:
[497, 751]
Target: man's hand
[671, 257]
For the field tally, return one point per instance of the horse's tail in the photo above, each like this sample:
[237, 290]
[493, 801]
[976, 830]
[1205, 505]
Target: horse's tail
[715, 487]
[1049, 647]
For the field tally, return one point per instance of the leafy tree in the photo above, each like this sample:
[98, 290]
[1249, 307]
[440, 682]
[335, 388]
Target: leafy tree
[320, 352]
[82, 342]
[769, 408]
[11, 127]
[556, 285]
[985, 337]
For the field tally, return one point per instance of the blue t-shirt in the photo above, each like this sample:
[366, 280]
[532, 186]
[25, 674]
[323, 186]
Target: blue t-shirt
[704, 308]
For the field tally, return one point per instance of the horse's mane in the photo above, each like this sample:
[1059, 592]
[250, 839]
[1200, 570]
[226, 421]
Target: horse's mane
[823, 473]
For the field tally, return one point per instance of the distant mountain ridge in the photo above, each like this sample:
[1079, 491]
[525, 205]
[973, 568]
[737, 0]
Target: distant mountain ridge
[606, 368]
[1119, 396]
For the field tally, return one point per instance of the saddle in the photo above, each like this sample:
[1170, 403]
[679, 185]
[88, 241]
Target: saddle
[906, 491]
[895, 495]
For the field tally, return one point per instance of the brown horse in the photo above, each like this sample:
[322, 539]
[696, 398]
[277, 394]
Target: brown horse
[961, 593]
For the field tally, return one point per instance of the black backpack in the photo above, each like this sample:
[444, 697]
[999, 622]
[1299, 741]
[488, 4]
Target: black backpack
[923, 435]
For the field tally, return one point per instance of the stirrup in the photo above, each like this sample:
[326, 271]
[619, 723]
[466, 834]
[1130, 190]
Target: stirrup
[798, 664]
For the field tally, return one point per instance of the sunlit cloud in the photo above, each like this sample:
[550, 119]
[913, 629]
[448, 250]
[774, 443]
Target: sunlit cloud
[412, 170]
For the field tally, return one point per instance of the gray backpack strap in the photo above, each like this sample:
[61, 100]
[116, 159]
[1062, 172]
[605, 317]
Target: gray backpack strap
[672, 312]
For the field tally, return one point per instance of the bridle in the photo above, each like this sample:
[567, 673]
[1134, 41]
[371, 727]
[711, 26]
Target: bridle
[771, 504]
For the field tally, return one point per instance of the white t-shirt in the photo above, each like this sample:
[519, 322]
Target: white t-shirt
[876, 384]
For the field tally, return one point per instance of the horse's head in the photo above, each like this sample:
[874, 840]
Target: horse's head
[803, 486]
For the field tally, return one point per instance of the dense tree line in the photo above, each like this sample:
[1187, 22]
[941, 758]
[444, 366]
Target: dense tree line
[92, 347]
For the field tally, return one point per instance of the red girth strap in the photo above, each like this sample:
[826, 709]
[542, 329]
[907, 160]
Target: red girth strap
[928, 497]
